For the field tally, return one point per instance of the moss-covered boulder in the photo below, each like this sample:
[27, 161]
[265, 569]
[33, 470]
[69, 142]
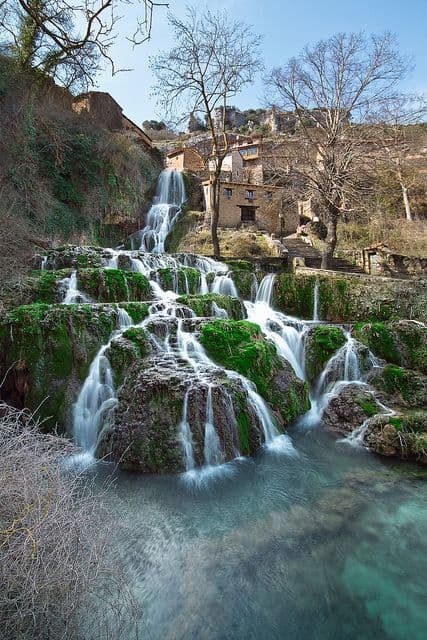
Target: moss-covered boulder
[321, 343]
[185, 280]
[240, 346]
[113, 285]
[403, 436]
[146, 435]
[401, 342]
[400, 387]
[74, 257]
[244, 277]
[46, 352]
[203, 304]
[349, 408]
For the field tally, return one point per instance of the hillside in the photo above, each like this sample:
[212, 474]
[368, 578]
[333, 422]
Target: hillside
[63, 177]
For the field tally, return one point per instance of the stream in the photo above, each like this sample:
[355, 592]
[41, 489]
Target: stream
[313, 538]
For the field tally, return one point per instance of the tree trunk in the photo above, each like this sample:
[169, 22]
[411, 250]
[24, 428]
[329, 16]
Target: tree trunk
[215, 217]
[330, 241]
[406, 202]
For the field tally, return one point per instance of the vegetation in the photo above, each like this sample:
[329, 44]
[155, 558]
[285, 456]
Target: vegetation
[202, 305]
[65, 178]
[240, 346]
[322, 343]
[54, 539]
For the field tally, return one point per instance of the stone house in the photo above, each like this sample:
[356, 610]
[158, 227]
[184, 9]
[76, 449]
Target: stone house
[258, 205]
[185, 159]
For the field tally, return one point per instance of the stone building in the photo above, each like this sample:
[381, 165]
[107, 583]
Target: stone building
[185, 159]
[107, 113]
[255, 205]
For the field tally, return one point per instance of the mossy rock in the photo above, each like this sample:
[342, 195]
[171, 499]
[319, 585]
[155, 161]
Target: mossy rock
[401, 342]
[202, 305]
[240, 346]
[349, 408]
[46, 351]
[294, 295]
[40, 286]
[321, 344]
[126, 350]
[401, 387]
[138, 311]
[243, 278]
[113, 285]
[403, 435]
[185, 280]
[76, 257]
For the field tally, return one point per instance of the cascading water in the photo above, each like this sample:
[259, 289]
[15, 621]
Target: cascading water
[71, 293]
[166, 208]
[316, 301]
[97, 397]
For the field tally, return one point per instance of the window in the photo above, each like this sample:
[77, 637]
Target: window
[228, 192]
[249, 194]
[247, 214]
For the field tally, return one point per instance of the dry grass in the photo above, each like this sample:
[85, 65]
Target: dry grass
[400, 235]
[233, 243]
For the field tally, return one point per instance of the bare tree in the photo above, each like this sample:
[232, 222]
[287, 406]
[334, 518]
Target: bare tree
[57, 580]
[333, 88]
[393, 137]
[213, 60]
[68, 39]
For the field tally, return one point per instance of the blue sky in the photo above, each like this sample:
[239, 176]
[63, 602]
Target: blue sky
[286, 25]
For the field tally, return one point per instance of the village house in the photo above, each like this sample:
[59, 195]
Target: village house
[185, 159]
[261, 206]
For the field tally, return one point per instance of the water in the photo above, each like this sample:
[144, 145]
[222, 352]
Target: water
[70, 291]
[164, 212]
[316, 301]
[329, 545]
[97, 398]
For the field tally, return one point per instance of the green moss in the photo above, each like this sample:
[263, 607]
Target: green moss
[184, 280]
[44, 348]
[241, 265]
[202, 305]
[322, 343]
[239, 345]
[380, 340]
[397, 423]
[113, 285]
[294, 295]
[138, 337]
[138, 311]
[243, 423]
[369, 407]
[397, 381]
[244, 281]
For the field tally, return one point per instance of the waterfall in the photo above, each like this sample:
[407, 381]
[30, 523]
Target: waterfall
[265, 290]
[224, 285]
[212, 449]
[166, 208]
[186, 436]
[71, 293]
[316, 301]
[97, 397]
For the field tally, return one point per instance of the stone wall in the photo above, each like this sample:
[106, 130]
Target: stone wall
[101, 107]
[352, 297]
[382, 261]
